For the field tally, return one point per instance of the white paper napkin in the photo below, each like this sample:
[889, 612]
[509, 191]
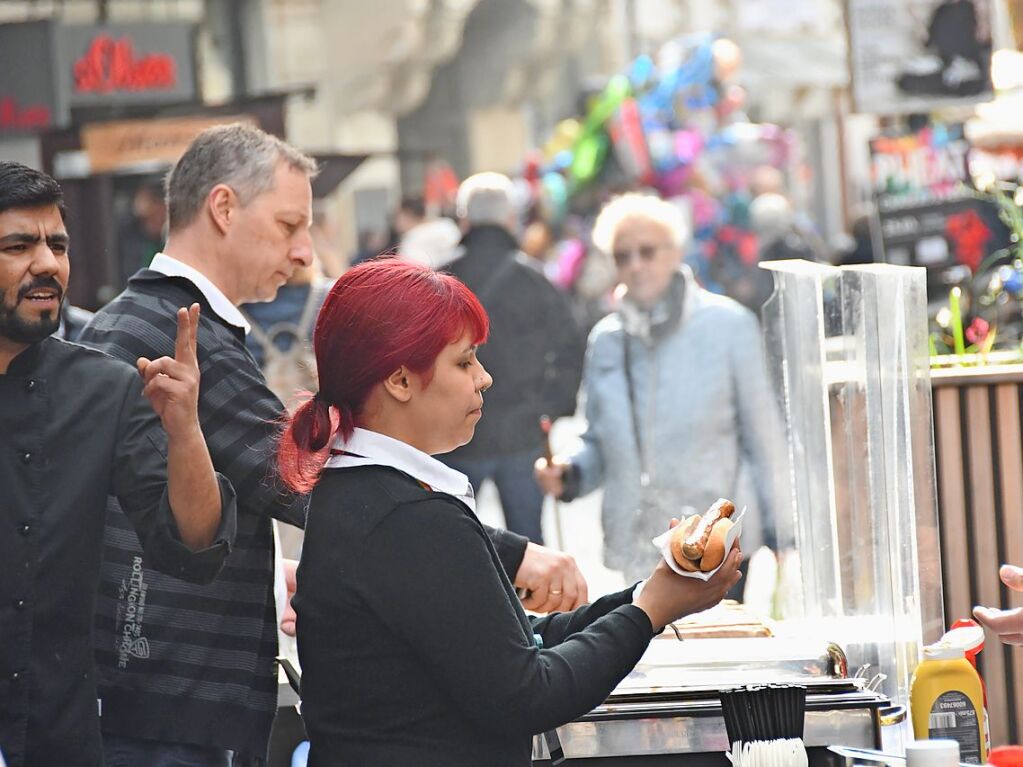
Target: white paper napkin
[769, 753]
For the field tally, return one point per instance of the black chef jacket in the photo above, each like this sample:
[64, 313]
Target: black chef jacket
[74, 427]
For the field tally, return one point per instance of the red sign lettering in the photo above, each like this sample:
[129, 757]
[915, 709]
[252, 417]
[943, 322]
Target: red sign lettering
[13, 116]
[110, 65]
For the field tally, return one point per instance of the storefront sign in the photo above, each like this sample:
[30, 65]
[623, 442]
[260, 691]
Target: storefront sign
[118, 64]
[112, 65]
[28, 94]
[928, 213]
[48, 68]
[910, 56]
[17, 117]
[116, 145]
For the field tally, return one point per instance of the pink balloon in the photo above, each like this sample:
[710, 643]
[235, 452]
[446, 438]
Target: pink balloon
[687, 145]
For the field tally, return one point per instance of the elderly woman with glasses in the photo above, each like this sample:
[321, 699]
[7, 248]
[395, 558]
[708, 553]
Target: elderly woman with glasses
[678, 406]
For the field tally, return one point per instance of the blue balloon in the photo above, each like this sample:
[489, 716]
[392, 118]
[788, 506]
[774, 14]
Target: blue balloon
[692, 77]
[562, 160]
[642, 71]
[555, 192]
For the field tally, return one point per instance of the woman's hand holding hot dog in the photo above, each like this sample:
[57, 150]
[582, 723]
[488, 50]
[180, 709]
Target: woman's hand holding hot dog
[667, 596]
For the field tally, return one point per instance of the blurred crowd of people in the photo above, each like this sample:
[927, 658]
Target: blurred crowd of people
[671, 381]
[673, 388]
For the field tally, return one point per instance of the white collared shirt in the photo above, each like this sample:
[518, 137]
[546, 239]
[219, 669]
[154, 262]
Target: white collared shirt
[218, 302]
[228, 312]
[370, 448]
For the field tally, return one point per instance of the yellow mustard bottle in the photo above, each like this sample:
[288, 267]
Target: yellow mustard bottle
[947, 701]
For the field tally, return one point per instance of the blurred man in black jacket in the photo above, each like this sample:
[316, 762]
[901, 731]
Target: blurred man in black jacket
[535, 351]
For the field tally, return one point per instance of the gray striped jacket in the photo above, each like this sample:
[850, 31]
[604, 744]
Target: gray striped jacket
[177, 662]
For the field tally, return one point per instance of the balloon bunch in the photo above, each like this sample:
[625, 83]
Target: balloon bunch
[652, 123]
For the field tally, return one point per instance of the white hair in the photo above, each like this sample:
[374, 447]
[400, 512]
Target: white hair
[486, 198]
[638, 206]
[771, 215]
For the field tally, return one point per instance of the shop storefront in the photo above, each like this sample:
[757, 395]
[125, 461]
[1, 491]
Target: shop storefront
[108, 109]
[58, 84]
[53, 74]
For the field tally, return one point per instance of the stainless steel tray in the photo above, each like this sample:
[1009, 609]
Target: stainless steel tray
[817, 687]
[669, 704]
[720, 663]
[673, 726]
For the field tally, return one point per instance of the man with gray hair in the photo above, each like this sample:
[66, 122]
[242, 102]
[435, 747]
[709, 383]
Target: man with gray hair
[487, 198]
[534, 351]
[188, 675]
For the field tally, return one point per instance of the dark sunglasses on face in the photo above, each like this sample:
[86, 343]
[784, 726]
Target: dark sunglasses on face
[646, 254]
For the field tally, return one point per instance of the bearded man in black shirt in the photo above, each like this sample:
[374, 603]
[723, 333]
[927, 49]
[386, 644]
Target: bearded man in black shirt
[75, 428]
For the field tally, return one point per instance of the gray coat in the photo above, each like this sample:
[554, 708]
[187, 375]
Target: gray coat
[708, 423]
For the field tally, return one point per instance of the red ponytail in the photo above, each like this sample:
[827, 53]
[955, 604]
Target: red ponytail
[379, 316]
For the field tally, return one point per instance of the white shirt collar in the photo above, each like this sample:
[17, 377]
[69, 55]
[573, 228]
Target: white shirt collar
[220, 303]
[370, 448]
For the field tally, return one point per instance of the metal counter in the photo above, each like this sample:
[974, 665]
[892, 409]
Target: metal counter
[669, 703]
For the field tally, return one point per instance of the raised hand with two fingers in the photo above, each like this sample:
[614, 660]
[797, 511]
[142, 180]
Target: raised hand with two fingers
[172, 383]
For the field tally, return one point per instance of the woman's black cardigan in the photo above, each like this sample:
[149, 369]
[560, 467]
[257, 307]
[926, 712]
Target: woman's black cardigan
[414, 647]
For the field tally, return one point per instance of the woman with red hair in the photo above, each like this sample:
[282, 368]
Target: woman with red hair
[414, 648]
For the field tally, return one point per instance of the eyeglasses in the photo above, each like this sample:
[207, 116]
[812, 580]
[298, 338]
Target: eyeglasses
[646, 253]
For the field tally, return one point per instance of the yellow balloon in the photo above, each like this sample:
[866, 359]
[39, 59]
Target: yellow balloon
[565, 135]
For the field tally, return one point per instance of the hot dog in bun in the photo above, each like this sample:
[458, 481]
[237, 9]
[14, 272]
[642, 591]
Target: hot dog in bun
[698, 542]
[684, 528]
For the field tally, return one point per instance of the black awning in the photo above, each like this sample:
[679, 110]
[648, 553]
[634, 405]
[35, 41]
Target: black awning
[334, 168]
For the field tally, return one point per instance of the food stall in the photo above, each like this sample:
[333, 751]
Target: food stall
[859, 588]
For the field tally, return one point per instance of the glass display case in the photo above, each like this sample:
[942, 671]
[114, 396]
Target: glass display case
[848, 354]
[859, 576]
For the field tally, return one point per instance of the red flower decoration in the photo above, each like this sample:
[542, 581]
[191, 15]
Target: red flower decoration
[978, 330]
[969, 236]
